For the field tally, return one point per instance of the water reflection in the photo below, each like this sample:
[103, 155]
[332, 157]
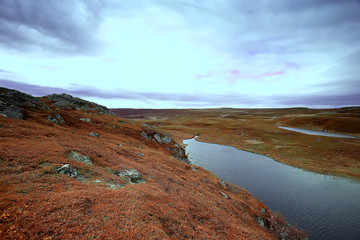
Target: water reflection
[326, 206]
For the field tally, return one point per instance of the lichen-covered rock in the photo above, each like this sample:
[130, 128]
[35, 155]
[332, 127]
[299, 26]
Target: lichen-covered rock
[160, 138]
[144, 135]
[62, 105]
[132, 174]
[79, 157]
[68, 170]
[13, 112]
[12, 102]
[10, 97]
[85, 119]
[68, 101]
[93, 134]
[56, 118]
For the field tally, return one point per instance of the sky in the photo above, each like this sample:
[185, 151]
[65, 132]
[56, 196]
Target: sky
[184, 53]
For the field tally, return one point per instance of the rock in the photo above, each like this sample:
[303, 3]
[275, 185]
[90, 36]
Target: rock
[85, 119]
[62, 105]
[56, 118]
[260, 221]
[222, 182]
[93, 134]
[193, 168]
[162, 138]
[133, 174]
[13, 98]
[66, 101]
[81, 158]
[140, 154]
[144, 135]
[179, 153]
[13, 112]
[68, 170]
[147, 126]
[225, 195]
[263, 210]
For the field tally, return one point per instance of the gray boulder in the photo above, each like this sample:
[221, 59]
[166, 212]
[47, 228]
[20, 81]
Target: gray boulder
[79, 157]
[160, 138]
[56, 118]
[10, 97]
[68, 170]
[133, 174]
[62, 105]
[93, 134]
[13, 112]
[66, 100]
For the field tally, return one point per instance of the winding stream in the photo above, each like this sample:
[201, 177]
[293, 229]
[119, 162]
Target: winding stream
[318, 133]
[328, 207]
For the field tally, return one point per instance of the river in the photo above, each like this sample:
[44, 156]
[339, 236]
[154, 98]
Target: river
[326, 206]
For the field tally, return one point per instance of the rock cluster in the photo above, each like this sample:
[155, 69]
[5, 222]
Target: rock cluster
[12, 103]
[175, 149]
[132, 174]
[69, 102]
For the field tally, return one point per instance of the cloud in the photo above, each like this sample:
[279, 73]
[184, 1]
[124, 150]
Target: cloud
[67, 26]
[188, 99]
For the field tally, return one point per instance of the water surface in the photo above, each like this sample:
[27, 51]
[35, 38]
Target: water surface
[328, 207]
[316, 132]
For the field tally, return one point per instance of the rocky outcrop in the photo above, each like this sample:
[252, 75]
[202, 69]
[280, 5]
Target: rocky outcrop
[161, 138]
[69, 102]
[132, 174]
[175, 149]
[12, 103]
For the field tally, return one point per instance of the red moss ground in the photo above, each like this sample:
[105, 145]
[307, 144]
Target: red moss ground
[175, 202]
[256, 130]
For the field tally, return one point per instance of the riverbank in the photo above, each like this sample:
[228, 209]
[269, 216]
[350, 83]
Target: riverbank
[256, 130]
[70, 169]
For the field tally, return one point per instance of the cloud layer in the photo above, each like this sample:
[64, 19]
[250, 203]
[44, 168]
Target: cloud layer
[213, 53]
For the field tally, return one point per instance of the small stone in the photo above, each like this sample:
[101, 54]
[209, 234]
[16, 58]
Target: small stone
[144, 135]
[193, 168]
[68, 170]
[225, 195]
[260, 221]
[263, 210]
[85, 119]
[222, 182]
[140, 154]
[93, 134]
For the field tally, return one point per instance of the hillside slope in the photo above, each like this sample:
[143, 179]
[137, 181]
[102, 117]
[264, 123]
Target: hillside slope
[70, 169]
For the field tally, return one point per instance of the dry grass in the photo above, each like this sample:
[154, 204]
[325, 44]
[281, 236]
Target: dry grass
[174, 203]
[256, 130]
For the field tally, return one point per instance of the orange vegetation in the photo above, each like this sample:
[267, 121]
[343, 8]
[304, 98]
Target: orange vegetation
[256, 130]
[175, 202]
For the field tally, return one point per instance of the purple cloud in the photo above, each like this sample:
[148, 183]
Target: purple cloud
[189, 99]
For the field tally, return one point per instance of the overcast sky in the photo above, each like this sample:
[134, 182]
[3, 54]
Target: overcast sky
[184, 53]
